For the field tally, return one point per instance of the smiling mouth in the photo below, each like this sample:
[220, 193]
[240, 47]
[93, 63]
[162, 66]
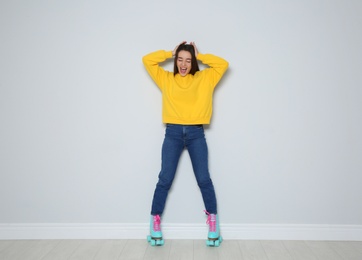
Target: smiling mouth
[183, 71]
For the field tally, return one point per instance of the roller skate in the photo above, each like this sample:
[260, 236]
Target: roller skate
[155, 237]
[214, 239]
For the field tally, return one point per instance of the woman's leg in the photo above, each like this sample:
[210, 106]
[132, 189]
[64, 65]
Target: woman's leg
[197, 148]
[172, 147]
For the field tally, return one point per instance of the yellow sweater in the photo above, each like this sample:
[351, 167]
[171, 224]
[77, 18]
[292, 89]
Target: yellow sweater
[186, 100]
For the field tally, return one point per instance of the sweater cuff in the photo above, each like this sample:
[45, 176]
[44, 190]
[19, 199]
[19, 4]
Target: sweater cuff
[168, 54]
[200, 56]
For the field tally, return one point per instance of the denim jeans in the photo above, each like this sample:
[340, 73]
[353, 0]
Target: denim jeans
[177, 138]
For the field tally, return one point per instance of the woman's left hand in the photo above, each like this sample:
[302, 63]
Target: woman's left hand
[196, 50]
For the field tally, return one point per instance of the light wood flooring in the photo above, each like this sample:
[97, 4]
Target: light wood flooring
[178, 249]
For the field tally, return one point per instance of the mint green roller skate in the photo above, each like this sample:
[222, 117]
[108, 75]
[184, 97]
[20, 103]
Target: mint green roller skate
[155, 237]
[214, 239]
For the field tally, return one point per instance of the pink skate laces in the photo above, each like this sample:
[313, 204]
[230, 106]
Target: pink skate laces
[211, 221]
[156, 223]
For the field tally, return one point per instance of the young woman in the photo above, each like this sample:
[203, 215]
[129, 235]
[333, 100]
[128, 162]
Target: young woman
[187, 106]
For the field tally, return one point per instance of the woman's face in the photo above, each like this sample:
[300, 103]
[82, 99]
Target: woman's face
[184, 62]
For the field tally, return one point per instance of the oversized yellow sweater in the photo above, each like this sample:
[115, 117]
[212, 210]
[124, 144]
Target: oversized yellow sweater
[186, 100]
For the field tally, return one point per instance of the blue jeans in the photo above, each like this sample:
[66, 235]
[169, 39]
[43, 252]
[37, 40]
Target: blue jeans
[177, 138]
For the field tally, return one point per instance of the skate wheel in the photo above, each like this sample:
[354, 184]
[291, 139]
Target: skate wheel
[214, 243]
[155, 242]
[160, 242]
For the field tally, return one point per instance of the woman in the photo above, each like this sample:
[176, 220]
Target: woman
[187, 106]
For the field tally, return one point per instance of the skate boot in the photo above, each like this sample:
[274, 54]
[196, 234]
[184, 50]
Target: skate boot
[214, 238]
[155, 237]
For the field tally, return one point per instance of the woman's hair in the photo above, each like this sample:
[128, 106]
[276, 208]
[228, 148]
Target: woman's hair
[194, 63]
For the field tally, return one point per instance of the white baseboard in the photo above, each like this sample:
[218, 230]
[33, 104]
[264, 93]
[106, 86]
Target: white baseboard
[181, 231]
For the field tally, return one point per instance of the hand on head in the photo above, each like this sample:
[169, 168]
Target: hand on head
[183, 42]
[196, 50]
[174, 50]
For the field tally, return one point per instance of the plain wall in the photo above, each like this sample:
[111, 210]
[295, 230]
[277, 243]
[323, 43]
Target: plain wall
[81, 130]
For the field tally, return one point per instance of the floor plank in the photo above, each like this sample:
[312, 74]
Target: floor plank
[111, 249]
[252, 250]
[201, 251]
[323, 250]
[299, 250]
[5, 244]
[346, 250]
[230, 250]
[357, 245]
[63, 250]
[87, 249]
[17, 249]
[275, 250]
[40, 249]
[134, 249]
[181, 250]
[158, 252]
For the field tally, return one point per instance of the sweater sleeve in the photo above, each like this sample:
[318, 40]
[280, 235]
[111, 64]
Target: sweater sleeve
[151, 62]
[217, 65]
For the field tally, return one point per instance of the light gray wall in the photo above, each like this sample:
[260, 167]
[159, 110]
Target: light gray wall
[81, 130]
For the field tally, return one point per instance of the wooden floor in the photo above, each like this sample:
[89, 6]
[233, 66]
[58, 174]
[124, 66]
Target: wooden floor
[178, 249]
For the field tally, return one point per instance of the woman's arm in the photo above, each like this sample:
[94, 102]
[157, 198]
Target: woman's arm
[217, 65]
[151, 62]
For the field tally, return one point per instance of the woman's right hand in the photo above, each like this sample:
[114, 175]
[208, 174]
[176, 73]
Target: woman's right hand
[174, 51]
